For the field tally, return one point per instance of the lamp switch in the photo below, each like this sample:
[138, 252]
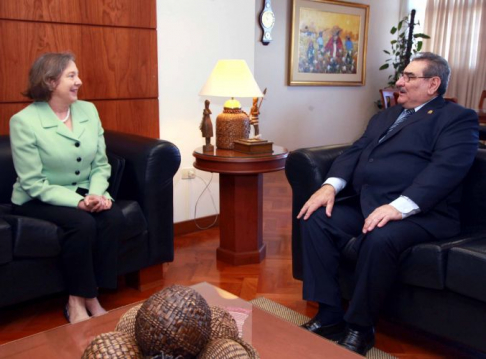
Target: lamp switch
[188, 173]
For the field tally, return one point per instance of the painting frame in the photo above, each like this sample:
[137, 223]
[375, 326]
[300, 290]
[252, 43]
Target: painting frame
[330, 62]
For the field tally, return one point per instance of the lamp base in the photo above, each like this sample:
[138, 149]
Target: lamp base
[253, 146]
[231, 125]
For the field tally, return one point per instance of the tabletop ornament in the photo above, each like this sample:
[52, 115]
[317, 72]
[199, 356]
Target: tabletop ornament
[174, 323]
[256, 144]
[206, 127]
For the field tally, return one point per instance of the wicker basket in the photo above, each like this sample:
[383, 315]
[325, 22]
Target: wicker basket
[228, 349]
[175, 321]
[112, 345]
[126, 324]
[223, 325]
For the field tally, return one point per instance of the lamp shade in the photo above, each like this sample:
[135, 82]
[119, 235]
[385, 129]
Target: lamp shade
[231, 78]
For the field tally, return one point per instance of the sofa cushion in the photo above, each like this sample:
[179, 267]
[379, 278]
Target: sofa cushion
[34, 238]
[5, 242]
[135, 222]
[117, 164]
[5, 208]
[466, 269]
[424, 265]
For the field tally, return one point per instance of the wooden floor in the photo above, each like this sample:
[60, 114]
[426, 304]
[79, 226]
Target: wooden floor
[195, 262]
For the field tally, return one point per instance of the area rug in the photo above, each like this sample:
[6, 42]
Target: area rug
[299, 319]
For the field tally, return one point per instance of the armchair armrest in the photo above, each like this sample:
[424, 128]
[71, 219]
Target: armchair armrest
[150, 165]
[306, 170]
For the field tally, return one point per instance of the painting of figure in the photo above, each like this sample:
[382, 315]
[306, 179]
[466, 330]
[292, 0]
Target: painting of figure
[339, 32]
[328, 44]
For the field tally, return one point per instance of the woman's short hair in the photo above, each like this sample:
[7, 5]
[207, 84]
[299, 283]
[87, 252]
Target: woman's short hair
[46, 68]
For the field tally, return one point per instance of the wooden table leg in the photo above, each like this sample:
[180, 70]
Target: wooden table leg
[241, 212]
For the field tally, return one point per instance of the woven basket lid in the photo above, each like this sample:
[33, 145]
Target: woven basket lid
[228, 349]
[175, 321]
[112, 345]
[223, 325]
[126, 324]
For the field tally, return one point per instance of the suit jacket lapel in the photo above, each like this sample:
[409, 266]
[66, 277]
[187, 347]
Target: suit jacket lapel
[79, 118]
[49, 119]
[421, 114]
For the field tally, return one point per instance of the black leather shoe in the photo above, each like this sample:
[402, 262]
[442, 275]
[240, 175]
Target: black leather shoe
[332, 332]
[358, 342]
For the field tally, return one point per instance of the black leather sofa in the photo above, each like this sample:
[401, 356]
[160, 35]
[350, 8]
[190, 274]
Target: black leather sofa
[141, 183]
[441, 288]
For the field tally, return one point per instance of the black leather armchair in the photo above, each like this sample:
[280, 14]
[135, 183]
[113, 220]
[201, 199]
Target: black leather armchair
[441, 287]
[141, 183]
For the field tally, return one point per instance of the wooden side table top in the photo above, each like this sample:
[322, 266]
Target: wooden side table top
[229, 161]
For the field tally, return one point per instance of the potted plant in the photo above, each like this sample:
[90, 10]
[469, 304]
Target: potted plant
[402, 48]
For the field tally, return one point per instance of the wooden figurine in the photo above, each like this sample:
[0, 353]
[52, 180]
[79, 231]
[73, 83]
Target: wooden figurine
[206, 127]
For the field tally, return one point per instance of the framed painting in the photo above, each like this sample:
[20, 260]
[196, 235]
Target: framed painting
[328, 45]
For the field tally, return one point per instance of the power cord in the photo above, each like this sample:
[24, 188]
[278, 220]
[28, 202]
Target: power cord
[206, 188]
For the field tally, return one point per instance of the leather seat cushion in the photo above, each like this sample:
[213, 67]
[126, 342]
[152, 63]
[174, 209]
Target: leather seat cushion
[5, 242]
[466, 269]
[424, 265]
[34, 238]
[135, 222]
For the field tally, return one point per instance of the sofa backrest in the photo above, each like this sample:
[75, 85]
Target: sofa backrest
[473, 203]
[7, 170]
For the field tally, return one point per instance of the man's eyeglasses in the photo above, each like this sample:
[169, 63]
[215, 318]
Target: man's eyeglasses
[408, 76]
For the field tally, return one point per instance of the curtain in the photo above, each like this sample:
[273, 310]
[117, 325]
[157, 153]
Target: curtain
[455, 28]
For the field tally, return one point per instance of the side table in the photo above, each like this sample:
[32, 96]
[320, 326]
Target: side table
[241, 199]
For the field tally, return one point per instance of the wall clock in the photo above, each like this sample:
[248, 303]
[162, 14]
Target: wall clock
[267, 21]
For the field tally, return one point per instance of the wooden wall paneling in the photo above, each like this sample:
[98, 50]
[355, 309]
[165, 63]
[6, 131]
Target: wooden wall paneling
[113, 62]
[138, 117]
[7, 110]
[137, 63]
[138, 13]
[117, 60]
[129, 13]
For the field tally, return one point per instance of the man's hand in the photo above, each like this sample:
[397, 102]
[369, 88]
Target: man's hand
[323, 197]
[381, 216]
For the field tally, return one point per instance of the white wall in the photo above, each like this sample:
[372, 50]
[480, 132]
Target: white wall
[303, 116]
[192, 35]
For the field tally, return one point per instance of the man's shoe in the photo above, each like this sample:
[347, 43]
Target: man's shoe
[358, 342]
[332, 331]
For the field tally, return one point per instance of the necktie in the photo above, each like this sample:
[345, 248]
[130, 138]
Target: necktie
[403, 116]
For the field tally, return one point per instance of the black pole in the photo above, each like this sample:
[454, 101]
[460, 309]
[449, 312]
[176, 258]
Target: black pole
[408, 51]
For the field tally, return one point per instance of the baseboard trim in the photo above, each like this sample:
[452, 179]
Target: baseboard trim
[186, 227]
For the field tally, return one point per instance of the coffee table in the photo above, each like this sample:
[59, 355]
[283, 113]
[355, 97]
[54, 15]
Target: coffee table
[271, 336]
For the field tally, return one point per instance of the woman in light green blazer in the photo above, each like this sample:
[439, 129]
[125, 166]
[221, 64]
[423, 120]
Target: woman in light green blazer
[59, 155]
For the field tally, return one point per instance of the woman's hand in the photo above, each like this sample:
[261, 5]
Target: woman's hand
[94, 203]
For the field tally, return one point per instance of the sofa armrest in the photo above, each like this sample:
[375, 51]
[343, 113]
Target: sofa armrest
[306, 170]
[150, 165]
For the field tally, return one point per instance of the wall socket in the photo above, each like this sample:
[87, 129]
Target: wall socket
[188, 173]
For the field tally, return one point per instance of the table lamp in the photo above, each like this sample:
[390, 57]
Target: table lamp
[231, 78]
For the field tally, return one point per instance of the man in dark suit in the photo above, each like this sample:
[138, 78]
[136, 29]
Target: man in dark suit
[406, 173]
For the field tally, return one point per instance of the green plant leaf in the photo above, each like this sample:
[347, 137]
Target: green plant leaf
[423, 36]
[386, 52]
[384, 67]
[393, 30]
[419, 45]
[400, 25]
[393, 42]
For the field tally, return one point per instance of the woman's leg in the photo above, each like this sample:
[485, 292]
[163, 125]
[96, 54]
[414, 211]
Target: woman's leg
[79, 244]
[109, 226]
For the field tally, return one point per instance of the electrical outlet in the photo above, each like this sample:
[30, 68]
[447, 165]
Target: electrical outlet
[188, 173]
